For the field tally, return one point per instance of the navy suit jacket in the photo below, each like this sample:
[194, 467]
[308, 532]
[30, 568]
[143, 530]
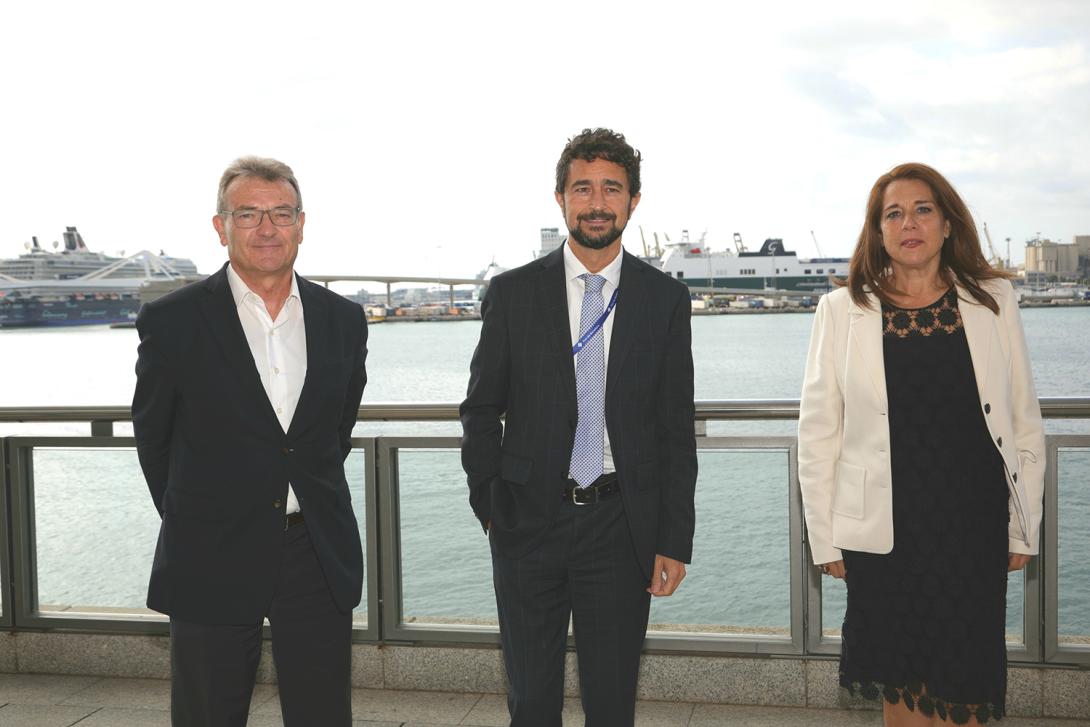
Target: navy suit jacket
[218, 463]
[523, 374]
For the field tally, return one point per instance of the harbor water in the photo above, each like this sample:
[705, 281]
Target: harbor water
[739, 578]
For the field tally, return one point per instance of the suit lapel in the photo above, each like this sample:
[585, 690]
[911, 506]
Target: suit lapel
[221, 315]
[977, 320]
[630, 300]
[865, 330]
[552, 293]
[315, 320]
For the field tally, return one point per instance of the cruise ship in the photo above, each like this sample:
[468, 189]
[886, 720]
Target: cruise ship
[772, 268]
[75, 260]
[76, 286]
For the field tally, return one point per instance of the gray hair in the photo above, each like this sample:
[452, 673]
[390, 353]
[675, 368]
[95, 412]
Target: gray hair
[270, 170]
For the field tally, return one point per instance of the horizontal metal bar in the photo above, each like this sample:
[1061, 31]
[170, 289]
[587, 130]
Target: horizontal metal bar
[1052, 407]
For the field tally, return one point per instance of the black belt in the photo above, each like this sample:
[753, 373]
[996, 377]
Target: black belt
[293, 519]
[602, 488]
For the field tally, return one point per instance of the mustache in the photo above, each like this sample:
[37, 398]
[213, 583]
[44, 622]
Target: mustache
[597, 217]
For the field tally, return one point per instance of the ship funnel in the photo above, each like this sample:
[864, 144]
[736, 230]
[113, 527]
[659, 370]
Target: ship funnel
[73, 240]
[34, 241]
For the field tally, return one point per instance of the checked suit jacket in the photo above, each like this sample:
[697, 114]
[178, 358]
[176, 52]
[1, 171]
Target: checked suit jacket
[218, 463]
[520, 411]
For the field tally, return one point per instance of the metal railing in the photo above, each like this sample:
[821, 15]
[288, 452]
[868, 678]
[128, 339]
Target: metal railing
[387, 618]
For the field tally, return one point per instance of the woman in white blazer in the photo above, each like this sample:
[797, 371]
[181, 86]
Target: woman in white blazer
[921, 455]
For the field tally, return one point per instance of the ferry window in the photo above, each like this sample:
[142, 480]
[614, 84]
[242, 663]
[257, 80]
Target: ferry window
[680, 275]
[820, 270]
[807, 271]
[832, 270]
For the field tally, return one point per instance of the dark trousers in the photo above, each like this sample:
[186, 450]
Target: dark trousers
[585, 568]
[213, 667]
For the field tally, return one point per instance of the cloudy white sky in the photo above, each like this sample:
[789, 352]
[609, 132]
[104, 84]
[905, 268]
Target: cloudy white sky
[425, 134]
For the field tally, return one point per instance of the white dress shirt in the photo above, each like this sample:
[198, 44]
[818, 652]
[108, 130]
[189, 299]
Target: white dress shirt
[279, 349]
[612, 273]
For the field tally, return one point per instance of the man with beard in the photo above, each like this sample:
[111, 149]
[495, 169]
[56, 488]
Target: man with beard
[585, 487]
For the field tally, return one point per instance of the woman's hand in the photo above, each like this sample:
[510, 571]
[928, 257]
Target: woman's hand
[1017, 561]
[835, 569]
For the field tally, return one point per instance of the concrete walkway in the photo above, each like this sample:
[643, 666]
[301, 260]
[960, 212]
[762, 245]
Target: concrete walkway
[33, 700]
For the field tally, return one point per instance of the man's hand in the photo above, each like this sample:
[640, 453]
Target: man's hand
[666, 576]
[1017, 561]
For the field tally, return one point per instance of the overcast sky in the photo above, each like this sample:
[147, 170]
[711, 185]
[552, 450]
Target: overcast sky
[425, 135]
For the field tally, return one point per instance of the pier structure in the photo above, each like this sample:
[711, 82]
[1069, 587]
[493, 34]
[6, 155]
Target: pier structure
[74, 634]
[389, 280]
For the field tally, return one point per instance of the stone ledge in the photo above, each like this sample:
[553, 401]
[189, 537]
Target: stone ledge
[742, 680]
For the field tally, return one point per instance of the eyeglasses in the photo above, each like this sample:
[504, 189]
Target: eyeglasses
[279, 216]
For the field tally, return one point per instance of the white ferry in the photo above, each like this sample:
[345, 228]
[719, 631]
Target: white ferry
[773, 267]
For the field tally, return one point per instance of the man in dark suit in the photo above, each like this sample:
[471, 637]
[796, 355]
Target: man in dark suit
[586, 487]
[248, 386]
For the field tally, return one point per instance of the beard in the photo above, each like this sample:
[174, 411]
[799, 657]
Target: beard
[600, 241]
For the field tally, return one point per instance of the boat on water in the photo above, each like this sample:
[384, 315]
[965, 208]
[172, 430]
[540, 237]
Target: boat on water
[76, 286]
[1057, 294]
[74, 260]
[773, 267]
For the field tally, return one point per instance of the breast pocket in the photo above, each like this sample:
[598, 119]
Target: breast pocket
[848, 499]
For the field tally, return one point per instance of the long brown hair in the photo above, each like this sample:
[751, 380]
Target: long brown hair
[961, 259]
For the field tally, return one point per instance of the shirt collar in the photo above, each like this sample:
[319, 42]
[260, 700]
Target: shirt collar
[573, 268]
[240, 291]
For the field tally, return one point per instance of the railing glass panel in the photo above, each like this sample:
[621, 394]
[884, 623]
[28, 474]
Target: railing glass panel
[1073, 568]
[740, 578]
[446, 566]
[834, 599]
[94, 529]
[355, 470]
[1016, 612]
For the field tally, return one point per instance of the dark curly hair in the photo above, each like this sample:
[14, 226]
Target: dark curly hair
[606, 144]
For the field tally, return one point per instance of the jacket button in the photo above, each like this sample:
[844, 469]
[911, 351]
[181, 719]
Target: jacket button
[999, 441]
[276, 504]
[987, 408]
[287, 450]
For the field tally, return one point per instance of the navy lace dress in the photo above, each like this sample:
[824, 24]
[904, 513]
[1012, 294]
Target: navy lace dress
[925, 623]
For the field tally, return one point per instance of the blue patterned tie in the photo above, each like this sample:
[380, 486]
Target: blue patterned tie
[590, 389]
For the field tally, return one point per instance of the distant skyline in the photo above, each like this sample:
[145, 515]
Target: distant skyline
[425, 135]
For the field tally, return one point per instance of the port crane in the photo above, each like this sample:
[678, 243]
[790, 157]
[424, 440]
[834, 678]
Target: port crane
[994, 258]
[816, 245]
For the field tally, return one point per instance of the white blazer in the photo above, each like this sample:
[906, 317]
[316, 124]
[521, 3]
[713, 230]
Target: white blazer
[844, 461]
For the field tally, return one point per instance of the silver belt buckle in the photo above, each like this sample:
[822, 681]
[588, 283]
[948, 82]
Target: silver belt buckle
[575, 495]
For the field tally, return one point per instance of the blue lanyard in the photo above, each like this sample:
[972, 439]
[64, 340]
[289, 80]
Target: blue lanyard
[585, 338]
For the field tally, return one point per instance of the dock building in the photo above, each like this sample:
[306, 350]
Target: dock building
[1048, 261]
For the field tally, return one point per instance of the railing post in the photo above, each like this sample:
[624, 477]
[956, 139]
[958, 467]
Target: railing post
[7, 593]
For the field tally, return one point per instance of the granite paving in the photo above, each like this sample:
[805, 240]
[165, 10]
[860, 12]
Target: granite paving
[48, 700]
